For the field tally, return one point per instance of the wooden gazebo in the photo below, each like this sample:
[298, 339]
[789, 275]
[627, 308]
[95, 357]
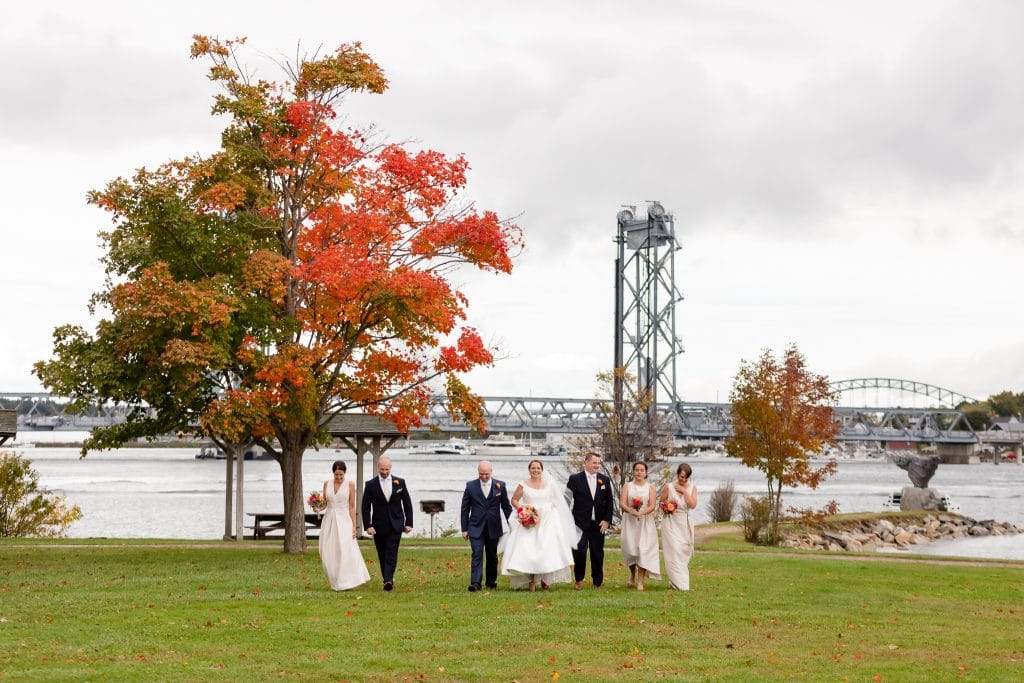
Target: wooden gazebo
[363, 434]
[359, 432]
[8, 425]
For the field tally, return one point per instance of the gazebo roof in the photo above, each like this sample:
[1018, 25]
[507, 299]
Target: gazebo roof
[8, 425]
[361, 424]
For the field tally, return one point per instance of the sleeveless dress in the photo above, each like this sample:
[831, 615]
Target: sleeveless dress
[339, 552]
[639, 538]
[544, 550]
[677, 542]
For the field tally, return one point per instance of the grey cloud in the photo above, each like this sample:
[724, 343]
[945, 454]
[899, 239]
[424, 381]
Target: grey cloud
[598, 126]
[91, 96]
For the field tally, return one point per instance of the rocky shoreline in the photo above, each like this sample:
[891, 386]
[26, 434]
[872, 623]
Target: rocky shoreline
[899, 533]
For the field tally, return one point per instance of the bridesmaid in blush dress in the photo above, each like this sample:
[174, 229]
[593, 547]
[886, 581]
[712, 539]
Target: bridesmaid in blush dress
[677, 528]
[639, 540]
[339, 550]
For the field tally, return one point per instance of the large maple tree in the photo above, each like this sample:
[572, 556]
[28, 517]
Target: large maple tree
[300, 271]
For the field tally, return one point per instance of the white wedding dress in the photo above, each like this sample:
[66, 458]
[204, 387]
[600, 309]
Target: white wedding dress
[543, 551]
[339, 552]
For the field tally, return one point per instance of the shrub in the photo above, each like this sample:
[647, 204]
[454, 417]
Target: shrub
[722, 502]
[755, 514]
[26, 509]
[811, 517]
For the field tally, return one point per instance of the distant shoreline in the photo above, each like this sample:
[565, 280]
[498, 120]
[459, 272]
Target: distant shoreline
[177, 443]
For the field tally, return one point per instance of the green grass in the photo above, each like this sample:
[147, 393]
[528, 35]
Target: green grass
[216, 611]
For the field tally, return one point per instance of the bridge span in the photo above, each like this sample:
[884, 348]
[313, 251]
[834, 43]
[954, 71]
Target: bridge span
[542, 415]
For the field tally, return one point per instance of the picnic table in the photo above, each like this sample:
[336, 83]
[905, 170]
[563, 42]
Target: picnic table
[266, 522]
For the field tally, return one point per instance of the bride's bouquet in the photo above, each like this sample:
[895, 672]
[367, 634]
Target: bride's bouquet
[528, 515]
[316, 501]
[668, 507]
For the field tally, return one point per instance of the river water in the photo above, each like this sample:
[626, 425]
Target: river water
[167, 493]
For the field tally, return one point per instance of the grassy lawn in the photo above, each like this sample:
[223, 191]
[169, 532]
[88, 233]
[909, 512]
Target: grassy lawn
[212, 611]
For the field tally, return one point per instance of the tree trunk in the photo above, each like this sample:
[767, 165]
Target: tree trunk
[294, 504]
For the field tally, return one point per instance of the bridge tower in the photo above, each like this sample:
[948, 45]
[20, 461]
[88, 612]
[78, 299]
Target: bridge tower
[646, 344]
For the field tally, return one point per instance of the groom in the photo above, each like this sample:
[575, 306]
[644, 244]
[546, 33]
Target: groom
[592, 511]
[387, 513]
[484, 503]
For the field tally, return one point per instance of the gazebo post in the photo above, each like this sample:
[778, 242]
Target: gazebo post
[227, 495]
[239, 498]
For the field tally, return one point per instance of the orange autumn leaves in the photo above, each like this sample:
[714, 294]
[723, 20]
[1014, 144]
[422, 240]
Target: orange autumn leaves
[368, 236]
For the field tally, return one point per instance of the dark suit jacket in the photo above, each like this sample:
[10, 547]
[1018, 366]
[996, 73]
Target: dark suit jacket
[384, 515]
[582, 502]
[479, 512]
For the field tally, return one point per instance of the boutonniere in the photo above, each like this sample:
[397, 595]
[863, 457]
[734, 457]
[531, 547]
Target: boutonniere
[396, 482]
[497, 486]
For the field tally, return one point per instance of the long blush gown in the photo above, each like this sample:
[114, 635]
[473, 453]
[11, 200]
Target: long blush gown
[639, 536]
[339, 552]
[677, 542]
[543, 550]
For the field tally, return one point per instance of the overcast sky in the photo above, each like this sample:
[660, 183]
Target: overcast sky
[845, 176]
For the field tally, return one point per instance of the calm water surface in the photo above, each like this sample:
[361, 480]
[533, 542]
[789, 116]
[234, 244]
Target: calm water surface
[167, 493]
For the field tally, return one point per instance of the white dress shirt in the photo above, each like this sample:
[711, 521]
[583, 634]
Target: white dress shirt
[592, 483]
[385, 486]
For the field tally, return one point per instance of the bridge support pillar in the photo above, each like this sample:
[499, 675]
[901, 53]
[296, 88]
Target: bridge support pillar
[955, 453]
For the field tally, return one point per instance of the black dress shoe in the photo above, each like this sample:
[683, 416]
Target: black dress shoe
[474, 587]
[388, 585]
[492, 586]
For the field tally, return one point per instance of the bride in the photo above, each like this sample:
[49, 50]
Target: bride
[542, 552]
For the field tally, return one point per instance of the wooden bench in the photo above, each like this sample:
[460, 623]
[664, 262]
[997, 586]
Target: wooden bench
[266, 522]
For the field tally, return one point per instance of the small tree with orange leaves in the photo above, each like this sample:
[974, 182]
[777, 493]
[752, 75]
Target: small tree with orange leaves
[781, 414]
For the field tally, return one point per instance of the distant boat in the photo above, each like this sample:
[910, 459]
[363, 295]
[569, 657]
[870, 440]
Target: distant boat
[210, 453]
[454, 446]
[258, 454]
[502, 444]
[551, 450]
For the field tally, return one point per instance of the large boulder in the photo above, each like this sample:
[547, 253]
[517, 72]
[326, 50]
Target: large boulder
[914, 498]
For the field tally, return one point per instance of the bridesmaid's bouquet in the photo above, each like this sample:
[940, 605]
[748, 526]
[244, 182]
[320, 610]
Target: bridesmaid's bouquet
[528, 515]
[668, 507]
[638, 503]
[316, 501]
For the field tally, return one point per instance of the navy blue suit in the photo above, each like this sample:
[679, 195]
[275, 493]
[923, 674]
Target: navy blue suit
[481, 519]
[588, 512]
[388, 519]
